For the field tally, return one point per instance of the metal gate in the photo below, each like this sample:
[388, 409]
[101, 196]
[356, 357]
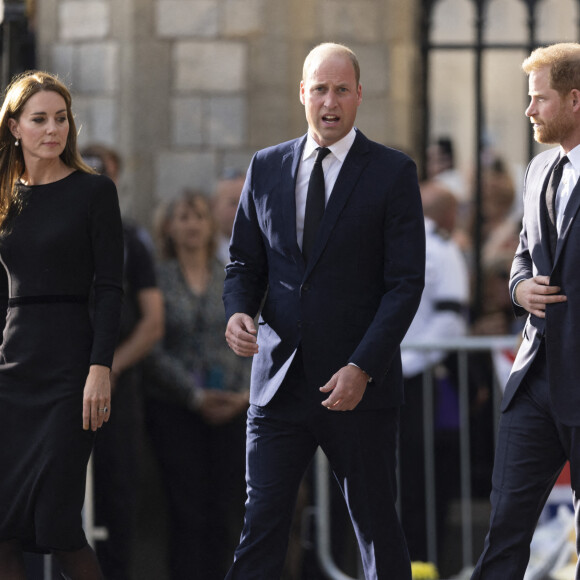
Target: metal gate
[483, 32]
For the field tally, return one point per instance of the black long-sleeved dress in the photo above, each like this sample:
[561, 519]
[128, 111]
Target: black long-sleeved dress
[65, 242]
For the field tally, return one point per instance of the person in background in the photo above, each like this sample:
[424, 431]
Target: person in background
[540, 410]
[197, 396]
[442, 314]
[441, 167]
[328, 247]
[224, 205]
[117, 449]
[61, 238]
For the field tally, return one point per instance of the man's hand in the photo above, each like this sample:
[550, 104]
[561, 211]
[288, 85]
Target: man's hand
[534, 293]
[241, 335]
[346, 388]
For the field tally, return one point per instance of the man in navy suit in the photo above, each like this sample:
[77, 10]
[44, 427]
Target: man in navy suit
[540, 421]
[327, 366]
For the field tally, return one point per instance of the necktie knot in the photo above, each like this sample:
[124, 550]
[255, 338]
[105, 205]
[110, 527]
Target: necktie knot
[560, 165]
[322, 152]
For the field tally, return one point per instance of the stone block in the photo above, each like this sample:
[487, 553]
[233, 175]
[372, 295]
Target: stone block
[209, 66]
[269, 64]
[83, 20]
[375, 71]
[275, 117]
[243, 17]
[344, 19]
[96, 120]
[62, 60]
[375, 118]
[187, 121]
[227, 121]
[177, 171]
[178, 18]
[98, 68]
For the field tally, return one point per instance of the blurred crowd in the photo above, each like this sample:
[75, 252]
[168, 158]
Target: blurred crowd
[180, 395]
[449, 310]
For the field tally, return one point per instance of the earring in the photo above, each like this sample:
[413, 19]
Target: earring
[16, 143]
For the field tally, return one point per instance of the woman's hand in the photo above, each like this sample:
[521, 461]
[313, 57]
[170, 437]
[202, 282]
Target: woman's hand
[97, 397]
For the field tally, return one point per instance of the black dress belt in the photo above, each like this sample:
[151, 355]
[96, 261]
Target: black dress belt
[47, 299]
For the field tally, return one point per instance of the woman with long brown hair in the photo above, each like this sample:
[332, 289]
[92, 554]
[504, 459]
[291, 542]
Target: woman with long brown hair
[60, 240]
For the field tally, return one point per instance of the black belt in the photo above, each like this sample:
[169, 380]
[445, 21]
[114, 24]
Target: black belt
[48, 299]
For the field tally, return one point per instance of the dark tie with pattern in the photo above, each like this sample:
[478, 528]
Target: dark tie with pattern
[551, 202]
[315, 203]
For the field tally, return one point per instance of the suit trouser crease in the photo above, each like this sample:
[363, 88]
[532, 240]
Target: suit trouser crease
[281, 441]
[532, 448]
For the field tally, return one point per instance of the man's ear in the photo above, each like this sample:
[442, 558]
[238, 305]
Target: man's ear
[575, 100]
[302, 92]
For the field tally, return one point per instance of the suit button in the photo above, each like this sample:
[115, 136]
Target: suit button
[305, 287]
[299, 324]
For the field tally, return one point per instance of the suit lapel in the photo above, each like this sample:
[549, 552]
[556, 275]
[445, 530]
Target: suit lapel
[289, 171]
[345, 183]
[539, 203]
[569, 214]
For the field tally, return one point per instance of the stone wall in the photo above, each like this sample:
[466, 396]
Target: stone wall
[185, 88]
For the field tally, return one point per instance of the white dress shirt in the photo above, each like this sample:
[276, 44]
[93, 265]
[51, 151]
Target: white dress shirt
[570, 174]
[331, 166]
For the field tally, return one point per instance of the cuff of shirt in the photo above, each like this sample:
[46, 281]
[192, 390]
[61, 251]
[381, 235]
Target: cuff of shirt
[514, 293]
[367, 374]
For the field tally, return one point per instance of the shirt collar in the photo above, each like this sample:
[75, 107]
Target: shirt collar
[573, 158]
[339, 149]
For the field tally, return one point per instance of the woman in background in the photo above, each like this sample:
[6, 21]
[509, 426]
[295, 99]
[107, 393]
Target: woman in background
[197, 397]
[60, 237]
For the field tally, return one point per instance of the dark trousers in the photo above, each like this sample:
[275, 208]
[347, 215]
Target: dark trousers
[116, 475]
[202, 470]
[361, 447]
[532, 448]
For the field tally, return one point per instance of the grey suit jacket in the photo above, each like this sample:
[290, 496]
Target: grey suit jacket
[561, 327]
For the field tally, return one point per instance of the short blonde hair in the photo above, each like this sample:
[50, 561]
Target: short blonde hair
[563, 60]
[329, 48]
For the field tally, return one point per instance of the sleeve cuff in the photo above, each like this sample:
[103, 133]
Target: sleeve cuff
[514, 293]
[370, 379]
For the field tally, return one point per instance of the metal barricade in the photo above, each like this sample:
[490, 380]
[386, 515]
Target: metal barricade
[462, 347]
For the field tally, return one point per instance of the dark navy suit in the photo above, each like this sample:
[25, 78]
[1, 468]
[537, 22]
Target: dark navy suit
[538, 428]
[352, 302]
